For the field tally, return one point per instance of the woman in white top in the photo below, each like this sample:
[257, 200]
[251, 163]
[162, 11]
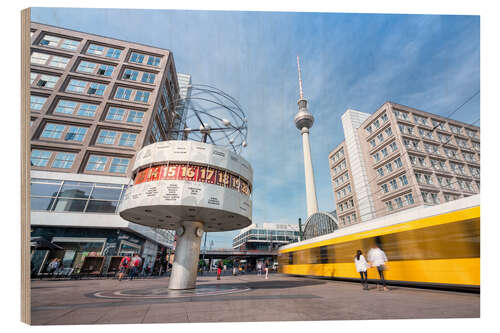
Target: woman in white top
[361, 267]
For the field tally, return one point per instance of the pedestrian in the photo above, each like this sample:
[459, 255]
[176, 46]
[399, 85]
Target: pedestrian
[135, 263]
[52, 266]
[123, 267]
[219, 270]
[266, 267]
[377, 258]
[259, 268]
[361, 267]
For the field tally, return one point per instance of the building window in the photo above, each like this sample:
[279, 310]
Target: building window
[69, 44]
[380, 172]
[76, 86]
[372, 143]
[40, 158]
[409, 199]
[136, 58]
[403, 180]
[148, 78]
[384, 117]
[50, 41]
[87, 110]
[95, 49]
[44, 81]
[376, 123]
[398, 162]
[384, 152]
[118, 165]
[130, 74]
[106, 137]
[96, 89]
[369, 129]
[141, 96]
[59, 62]
[388, 131]
[425, 197]
[380, 138]
[63, 160]
[86, 67]
[75, 134]
[428, 179]
[376, 157]
[105, 70]
[421, 161]
[154, 61]
[388, 205]
[394, 184]
[96, 163]
[399, 202]
[123, 93]
[127, 139]
[435, 198]
[384, 187]
[113, 53]
[393, 146]
[39, 58]
[388, 167]
[115, 113]
[52, 131]
[135, 117]
[37, 102]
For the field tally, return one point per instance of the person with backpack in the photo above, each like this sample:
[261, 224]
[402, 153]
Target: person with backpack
[124, 263]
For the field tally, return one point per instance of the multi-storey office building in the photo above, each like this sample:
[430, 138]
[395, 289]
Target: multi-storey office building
[94, 102]
[398, 158]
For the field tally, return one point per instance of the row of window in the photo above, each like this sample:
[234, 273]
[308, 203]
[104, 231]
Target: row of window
[90, 88]
[399, 202]
[344, 192]
[75, 196]
[380, 137]
[346, 205]
[89, 67]
[75, 133]
[65, 160]
[99, 50]
[388, 167]
[445, 182]
[393, 184]
[384, 152]
[83, 109]
[375, 125]
[342, 179]
[436, 123]
[339, 168]
[338, 155]
[348, 219]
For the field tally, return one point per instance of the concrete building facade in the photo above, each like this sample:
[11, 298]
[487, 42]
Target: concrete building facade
[265, 236]
[400, 157]
[94, 102]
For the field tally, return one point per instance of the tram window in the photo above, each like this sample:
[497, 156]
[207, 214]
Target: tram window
[323, 254]
[290, 258]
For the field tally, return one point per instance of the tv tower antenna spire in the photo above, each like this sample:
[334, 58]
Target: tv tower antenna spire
[304, 121]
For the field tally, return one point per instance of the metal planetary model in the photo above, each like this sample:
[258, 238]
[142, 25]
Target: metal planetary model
[193, 187]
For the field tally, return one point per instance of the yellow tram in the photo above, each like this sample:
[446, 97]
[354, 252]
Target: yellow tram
[427, 246]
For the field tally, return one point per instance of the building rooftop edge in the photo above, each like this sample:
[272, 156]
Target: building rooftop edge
[102, 36]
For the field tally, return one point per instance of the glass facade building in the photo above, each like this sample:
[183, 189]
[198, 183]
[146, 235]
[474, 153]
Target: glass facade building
[266, 236]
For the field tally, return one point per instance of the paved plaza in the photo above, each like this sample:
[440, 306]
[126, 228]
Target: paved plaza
[241, 298]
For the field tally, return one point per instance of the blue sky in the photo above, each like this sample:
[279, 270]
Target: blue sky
[358, 61]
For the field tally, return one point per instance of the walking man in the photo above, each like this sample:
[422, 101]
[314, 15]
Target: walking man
[377, 258]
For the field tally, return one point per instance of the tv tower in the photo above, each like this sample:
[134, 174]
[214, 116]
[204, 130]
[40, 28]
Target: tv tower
[304, 121]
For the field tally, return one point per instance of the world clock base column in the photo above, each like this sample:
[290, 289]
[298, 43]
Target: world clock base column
[187, 255]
